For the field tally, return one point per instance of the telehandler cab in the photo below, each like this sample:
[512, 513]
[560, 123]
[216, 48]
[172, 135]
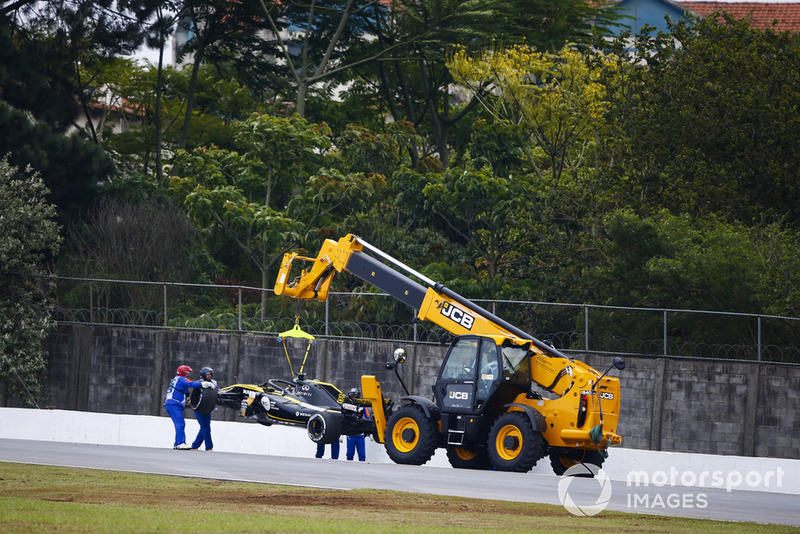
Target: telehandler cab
[484, 411]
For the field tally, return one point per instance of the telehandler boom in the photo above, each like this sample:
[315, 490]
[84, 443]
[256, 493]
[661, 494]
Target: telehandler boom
[485, 410]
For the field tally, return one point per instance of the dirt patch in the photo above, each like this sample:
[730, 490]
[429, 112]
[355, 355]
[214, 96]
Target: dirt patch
[221, 495]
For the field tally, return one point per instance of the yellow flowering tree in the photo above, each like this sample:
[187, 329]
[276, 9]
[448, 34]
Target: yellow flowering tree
[559, 99]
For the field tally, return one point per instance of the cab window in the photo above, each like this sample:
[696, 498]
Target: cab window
[488, 370]
[461, 360]
[516, 366]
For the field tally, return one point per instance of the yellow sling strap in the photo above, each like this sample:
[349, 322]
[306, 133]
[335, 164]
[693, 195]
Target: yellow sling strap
[296, 332]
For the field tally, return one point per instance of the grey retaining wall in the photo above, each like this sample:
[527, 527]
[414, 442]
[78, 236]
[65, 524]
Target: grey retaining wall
[702, 406]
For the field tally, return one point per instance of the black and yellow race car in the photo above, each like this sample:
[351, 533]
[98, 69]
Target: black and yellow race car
[321, 407]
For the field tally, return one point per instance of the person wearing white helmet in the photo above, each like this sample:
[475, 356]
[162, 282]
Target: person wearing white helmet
[204, 419]
[175, 402]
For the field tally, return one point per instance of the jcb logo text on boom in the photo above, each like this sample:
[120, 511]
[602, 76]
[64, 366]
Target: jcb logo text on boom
[459, 316]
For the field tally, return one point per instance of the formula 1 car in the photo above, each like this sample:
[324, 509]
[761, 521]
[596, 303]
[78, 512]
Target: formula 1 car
[322, 408]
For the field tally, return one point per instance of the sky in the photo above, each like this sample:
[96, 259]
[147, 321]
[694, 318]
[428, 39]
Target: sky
[151, 54]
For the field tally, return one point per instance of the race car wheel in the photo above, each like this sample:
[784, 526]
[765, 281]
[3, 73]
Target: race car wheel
[514, 445]
[324, 427]
[411, 437]
[203, 400]
[462, 458]
[561, 461]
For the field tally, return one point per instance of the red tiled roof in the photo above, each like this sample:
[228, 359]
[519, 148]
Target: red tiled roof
[761, 14]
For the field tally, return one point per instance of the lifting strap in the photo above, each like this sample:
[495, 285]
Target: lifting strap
[296, 332]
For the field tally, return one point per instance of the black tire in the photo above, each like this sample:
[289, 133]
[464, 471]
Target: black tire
[561, 460]
[324, 427]
[514, 445]
[203, 400]
[462, 458]
[411, 437]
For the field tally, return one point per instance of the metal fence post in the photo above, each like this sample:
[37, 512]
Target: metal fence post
[586, 328]
[665, 332]
[759, 339]
[165, 307]
[91, 301]
[327, 311]
[240, 309]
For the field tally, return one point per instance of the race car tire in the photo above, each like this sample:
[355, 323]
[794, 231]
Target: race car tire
[411, 437]
[203, 400]
[324, 427]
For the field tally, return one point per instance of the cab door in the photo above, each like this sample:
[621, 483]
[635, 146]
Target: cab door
[468, 375]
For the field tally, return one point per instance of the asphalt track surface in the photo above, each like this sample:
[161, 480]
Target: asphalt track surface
[681, 501]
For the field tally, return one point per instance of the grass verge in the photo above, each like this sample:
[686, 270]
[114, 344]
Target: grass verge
[42, 499]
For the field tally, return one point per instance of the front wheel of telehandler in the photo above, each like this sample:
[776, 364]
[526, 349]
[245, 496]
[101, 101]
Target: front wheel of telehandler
[411, 437]
[513, 443]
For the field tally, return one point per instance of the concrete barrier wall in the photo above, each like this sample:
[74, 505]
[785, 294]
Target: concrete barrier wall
[678, 405]
[631, 466]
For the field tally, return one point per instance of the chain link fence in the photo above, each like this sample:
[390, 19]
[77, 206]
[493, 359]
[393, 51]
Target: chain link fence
[568, 327]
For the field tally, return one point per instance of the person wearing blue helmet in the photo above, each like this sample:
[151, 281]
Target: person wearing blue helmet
[356, 443]
[175, 402]
[204, 435]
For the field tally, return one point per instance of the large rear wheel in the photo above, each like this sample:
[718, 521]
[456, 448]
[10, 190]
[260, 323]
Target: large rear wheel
[462, 458]
[513, 443]
[562, 460]
[411, 437]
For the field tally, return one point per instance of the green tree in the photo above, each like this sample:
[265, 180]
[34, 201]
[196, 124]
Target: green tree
[131, 89]
[681, 262]
[677, 261]
[548, 26]
[480, 211]
[158, 19]
[42, 45]
[314, 54]
[502, 146]
[30, 240]
[706, 123]
[409, 78]
[133, 239]
[72, 168]
[410, 81]
[374, 215]
[558, 99]
[243, 197]
[217, 27]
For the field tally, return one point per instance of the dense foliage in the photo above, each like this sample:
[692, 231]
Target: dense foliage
[708, 126]
[508, 159]
[30, 240]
